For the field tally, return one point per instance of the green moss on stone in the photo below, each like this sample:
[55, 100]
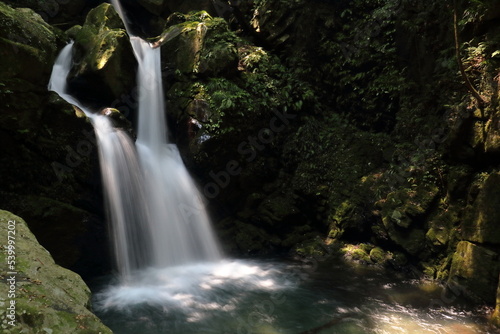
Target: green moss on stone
[47, 295]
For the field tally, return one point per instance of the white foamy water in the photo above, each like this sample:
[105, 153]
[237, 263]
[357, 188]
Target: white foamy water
[264, 297]
[194, 288]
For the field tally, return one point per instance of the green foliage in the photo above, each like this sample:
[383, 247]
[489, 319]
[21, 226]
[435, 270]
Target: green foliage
[358, 65]
[263, 85]
[476, 10]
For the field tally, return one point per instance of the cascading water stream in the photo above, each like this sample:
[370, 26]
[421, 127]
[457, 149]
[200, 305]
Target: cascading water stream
[157, 214]
[181, 228]
[122, 178]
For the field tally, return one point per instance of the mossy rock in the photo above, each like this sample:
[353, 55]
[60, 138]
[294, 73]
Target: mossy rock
[250, 239]
[495, 318]
[49, 298]
[443, 227]
[202, 45]
[379, 256]
[401, 211]
[475, 270]
[312, 248]
[356, 253]
[346, 217]
[482, 223]
[28, 45]
[492, 142]
[104, 62]
[403, 206]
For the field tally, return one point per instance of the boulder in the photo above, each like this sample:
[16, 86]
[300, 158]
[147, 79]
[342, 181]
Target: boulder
[28, 46]
[201, 45]
[401, 213]
[475, 270]
[104, 63]
[48, 298]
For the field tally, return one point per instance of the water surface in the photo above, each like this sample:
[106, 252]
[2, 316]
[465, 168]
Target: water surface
[271, 297]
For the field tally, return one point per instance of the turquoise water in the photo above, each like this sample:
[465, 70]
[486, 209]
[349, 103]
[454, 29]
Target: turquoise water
[271, 297]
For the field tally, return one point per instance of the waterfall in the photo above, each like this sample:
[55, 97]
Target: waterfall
[157, 215]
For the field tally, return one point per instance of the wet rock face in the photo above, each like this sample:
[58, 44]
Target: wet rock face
[48, 298]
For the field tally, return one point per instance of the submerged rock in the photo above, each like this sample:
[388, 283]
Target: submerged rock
[48, 298]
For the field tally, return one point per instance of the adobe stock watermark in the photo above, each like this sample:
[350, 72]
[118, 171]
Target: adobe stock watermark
[11, 278]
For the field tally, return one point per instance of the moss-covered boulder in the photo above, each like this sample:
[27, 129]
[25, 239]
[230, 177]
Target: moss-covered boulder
[401, 216]
[482, 224]
[443, 228]
[204, 46]
[104, 63]
[48, 298]
[475, 270]
[28, 46]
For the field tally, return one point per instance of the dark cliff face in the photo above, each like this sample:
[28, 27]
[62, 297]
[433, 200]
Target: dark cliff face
[49, 158]
[306, 123]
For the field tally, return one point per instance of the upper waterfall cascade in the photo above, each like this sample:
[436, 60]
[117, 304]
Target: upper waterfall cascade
[157, 214]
